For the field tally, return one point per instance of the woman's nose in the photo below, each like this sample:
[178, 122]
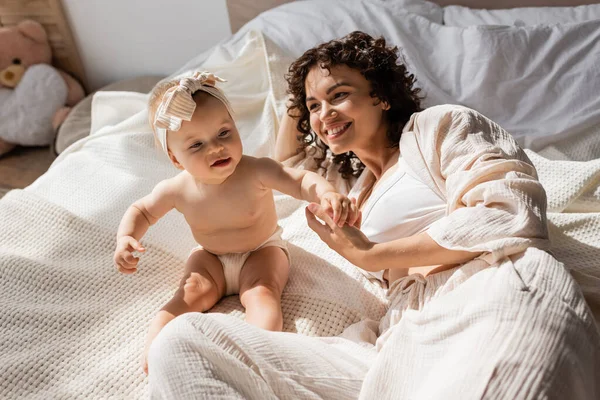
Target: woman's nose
[327, 112]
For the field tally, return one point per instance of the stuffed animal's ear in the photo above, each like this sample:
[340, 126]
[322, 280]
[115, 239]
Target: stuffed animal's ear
[33, 30]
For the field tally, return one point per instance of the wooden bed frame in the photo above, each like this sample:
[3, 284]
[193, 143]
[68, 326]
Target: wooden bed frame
[242, 11]
[51, 15]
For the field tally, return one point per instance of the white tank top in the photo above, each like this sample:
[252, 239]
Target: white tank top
[400, 206]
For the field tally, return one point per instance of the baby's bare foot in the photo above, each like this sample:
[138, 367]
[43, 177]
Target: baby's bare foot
[145, 361]
[159, 322]
[154, 330]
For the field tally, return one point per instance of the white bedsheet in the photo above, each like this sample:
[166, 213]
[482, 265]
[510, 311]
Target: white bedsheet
[71, 326]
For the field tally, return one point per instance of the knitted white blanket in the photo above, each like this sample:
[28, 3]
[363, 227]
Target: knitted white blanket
[573, 189]
[73, 327]
[70, 324]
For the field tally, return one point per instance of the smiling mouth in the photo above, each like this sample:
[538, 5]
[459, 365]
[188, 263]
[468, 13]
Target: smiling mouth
[337, 131]
[222, 162]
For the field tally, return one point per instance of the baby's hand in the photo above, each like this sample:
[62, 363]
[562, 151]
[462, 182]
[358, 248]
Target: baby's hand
[342, 209]
[124, 259]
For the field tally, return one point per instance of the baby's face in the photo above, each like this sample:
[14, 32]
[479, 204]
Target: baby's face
[209, 146]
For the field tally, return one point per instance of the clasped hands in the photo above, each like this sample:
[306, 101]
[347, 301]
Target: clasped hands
[341, 227]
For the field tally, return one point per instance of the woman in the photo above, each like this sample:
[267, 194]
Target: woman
[453, 220]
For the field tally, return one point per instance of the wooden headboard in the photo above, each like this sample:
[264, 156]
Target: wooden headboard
[242, 11]
[51, 15]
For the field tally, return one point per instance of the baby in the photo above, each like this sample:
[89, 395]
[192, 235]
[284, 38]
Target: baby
[226, 198]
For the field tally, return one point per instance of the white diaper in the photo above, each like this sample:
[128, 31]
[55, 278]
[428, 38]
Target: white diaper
[233, 262]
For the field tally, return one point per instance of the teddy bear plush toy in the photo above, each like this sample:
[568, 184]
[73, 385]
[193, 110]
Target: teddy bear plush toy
[35, 97]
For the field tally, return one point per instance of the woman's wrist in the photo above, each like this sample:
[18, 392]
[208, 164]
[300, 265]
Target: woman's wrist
[366, 258]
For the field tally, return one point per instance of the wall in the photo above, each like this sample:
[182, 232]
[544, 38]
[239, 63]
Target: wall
[119, 39]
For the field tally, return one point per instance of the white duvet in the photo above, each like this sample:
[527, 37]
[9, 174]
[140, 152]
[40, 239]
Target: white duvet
[71, 326]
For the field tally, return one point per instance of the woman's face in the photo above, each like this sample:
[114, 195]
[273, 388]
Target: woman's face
[342, 112]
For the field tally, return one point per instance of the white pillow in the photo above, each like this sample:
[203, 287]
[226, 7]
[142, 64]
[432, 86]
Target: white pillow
[427, 9]
[540, 83]
[464, 16]
[297, 26]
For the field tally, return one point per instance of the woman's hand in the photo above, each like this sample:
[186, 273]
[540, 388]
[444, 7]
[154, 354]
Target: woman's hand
[342, 209]
[348, 241]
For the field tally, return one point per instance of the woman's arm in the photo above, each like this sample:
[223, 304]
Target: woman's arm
[287, 142]
[414, 251]
[495, 203]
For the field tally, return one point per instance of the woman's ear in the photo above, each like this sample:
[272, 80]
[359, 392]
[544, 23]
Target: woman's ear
[385, 105]
[174, 160]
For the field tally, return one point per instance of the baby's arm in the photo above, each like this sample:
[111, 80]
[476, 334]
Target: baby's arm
[136, 221]
[309, 186]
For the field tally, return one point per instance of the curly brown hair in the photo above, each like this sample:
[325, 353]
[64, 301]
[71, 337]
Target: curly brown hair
[389, 79]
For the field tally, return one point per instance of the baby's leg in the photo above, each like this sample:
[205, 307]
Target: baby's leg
[262, 280]
[202, 285]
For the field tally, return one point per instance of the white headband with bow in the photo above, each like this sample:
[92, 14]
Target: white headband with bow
[177, 104]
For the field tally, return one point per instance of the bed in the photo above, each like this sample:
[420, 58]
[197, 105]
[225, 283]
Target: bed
[72, 327]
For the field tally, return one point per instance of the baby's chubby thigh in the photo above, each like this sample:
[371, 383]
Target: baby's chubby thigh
[262, 279]
[265, 270]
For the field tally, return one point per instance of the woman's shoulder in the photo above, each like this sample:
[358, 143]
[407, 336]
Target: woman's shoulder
[451, 128]
[441, 122]
[443, 112]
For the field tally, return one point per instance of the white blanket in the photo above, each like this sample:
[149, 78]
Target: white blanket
[70, 323]
[71, 326]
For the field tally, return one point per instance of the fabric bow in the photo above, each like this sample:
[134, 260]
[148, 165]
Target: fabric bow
[177, 104]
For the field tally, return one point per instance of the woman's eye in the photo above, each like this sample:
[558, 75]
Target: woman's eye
[340, 95]
[224, 134]
[313, 107]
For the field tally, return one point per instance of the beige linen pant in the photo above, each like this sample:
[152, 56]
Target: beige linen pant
[516, 330]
